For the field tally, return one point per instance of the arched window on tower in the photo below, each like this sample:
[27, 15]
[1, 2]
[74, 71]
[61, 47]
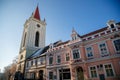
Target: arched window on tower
[37, 39]
[24, 39]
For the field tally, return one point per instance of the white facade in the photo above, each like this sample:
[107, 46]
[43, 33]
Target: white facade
[33, 38]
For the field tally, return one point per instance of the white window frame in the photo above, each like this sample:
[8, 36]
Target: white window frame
[90, 71]
[49, 60]
[104, 42]
[105, 70]
[27, 64]
[67, 56]
[87, 52]
[114, 45]
[49, 75]
[58, 76]
[57, 59]
[78, 51]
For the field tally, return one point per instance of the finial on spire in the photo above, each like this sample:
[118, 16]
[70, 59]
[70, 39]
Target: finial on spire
[73, 30]
[44, 19]
[36, 13]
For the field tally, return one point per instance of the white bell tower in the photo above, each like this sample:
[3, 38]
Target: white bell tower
[33, 38]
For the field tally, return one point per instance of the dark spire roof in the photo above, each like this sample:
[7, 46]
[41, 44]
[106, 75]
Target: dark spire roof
[36, 14]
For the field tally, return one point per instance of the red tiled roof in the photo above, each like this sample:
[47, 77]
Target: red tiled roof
[94, 32]
[36, 13]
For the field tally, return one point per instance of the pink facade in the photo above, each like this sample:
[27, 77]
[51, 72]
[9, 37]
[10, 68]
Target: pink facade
[94, 56]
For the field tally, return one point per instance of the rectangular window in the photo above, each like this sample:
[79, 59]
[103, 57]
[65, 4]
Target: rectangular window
[31, 63]
[76, 54]
[117, 44]
[109, 70]
[51, 75]
[89, 52]
[42, 60]
[103, 48]
[65, 74]
[36, 62]
[59, 59]
[50, 60]
[67, 57]
[32, 75]
[27, 64]
[93, 72]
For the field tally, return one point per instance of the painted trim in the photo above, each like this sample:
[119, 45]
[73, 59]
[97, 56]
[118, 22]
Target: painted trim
[67, 53]
[105, 70]
[90, 71]
[78, 51]
[103, 42]
[57, 59]
[91, 49]
[114, 45]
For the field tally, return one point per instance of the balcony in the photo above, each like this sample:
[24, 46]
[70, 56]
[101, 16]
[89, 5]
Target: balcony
[76, 61]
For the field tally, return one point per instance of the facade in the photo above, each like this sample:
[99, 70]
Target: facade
[33, 38]
[93, 56]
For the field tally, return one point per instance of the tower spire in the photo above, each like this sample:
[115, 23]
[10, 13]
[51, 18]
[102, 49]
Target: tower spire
[36, 14]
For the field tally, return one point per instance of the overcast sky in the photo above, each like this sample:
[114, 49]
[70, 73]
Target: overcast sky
[61, 16]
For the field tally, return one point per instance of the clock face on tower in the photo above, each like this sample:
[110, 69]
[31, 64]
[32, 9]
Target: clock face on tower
[38, 25]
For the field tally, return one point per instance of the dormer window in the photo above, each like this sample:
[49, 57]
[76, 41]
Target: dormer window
[112, 26]
[51, 46]
[74, 37]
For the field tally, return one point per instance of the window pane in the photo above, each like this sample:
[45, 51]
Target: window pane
[93, 72]
[58, 59]
[109, 71]
[50, 75]
[67, 57]
[37, 39]
[103, 48]
[117, 44]
[50, 60]
[76, 54]
[89, 52]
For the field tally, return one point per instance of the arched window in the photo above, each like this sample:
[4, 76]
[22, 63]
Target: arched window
[37, 39]
[24, 39]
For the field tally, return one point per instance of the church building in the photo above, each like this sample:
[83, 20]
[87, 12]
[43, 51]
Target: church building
[93, 56]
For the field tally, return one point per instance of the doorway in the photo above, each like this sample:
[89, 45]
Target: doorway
[80, 74]
[41, 75]
[64, 74]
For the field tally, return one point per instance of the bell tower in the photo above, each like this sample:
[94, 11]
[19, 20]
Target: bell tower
[33, 38]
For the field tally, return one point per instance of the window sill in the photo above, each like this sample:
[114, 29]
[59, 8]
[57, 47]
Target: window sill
[89, 58]
[104, 55]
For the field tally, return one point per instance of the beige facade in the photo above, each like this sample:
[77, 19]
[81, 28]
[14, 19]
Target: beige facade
[36, 68]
